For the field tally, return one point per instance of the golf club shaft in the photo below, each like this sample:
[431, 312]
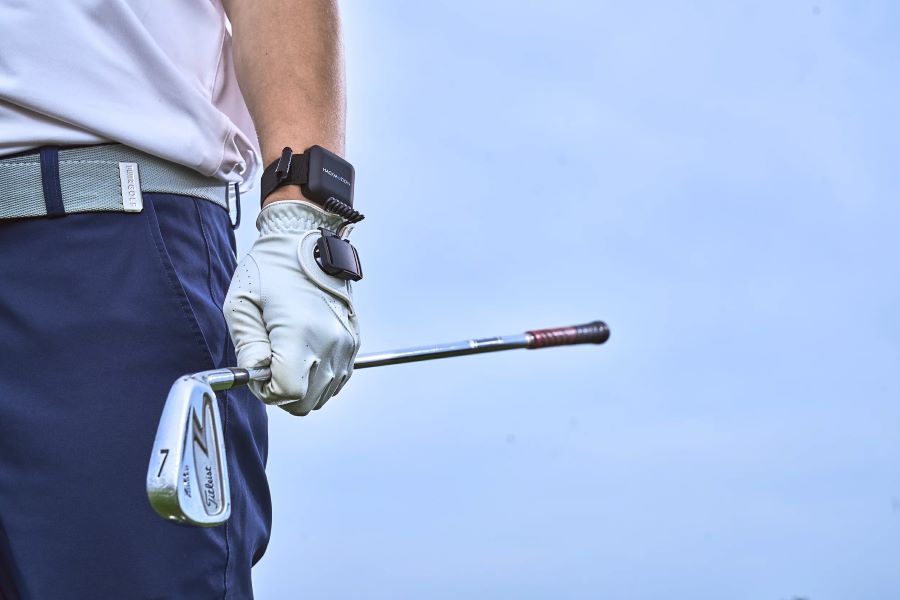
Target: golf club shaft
[590, 333]
[189, 449]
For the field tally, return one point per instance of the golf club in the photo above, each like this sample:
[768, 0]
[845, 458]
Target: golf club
[187, 479]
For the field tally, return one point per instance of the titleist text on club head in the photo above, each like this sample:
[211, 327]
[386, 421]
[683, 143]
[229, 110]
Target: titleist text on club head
[187, 479]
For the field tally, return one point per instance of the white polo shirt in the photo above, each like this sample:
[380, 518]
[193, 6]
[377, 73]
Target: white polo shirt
[156, 75]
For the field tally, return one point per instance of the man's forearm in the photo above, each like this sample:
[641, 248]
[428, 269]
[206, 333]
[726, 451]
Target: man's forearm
[289, 63]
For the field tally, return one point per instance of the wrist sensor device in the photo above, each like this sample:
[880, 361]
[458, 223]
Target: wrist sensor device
[326, 179]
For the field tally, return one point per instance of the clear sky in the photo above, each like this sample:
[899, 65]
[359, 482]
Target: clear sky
[716, 180]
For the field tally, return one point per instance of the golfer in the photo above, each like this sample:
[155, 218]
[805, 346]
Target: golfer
[127, 128]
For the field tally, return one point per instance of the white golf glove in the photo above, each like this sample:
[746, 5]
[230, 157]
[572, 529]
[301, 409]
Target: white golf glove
[286, 313]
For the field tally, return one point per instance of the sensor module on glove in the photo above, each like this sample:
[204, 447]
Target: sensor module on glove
[326, 179]
[336, 256]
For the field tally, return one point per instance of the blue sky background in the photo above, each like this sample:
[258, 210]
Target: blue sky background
[716, 180]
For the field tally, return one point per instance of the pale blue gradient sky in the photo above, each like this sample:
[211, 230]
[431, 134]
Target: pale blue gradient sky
[716, 180]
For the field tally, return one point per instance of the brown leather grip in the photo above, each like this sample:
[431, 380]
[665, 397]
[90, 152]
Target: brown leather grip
[589, 333]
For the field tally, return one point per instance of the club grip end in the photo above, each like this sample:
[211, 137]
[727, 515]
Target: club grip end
[596, 332]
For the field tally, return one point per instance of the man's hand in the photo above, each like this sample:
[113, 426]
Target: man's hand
[284, 312]
[282, 309]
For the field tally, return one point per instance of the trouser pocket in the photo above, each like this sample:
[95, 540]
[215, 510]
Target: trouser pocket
[193, 240]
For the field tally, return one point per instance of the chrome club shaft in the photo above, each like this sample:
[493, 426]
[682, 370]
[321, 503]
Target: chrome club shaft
[187, 479]
[596, 332]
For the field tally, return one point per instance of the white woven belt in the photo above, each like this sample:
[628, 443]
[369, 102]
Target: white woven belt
[110, 177]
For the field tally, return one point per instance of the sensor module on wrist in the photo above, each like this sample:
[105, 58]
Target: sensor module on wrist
[324, 178]
[330, 176]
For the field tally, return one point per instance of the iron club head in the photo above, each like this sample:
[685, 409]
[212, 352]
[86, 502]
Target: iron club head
[187, 479]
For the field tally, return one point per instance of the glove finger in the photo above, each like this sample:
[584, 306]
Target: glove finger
[344, 371]
[243, 313]
[256, 354]
[328, 393]
[295, 398]
[257, 389]
[341, 382]
[321, 385]
[289, 383]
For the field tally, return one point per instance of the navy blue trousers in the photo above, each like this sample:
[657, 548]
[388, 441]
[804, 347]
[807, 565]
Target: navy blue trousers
[99, 314]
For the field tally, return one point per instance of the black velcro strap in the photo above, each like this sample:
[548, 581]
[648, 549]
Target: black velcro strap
[50, 181]
[297, 175]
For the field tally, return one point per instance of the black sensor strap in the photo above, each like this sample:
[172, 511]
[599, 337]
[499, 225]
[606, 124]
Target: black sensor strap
[289, 169]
